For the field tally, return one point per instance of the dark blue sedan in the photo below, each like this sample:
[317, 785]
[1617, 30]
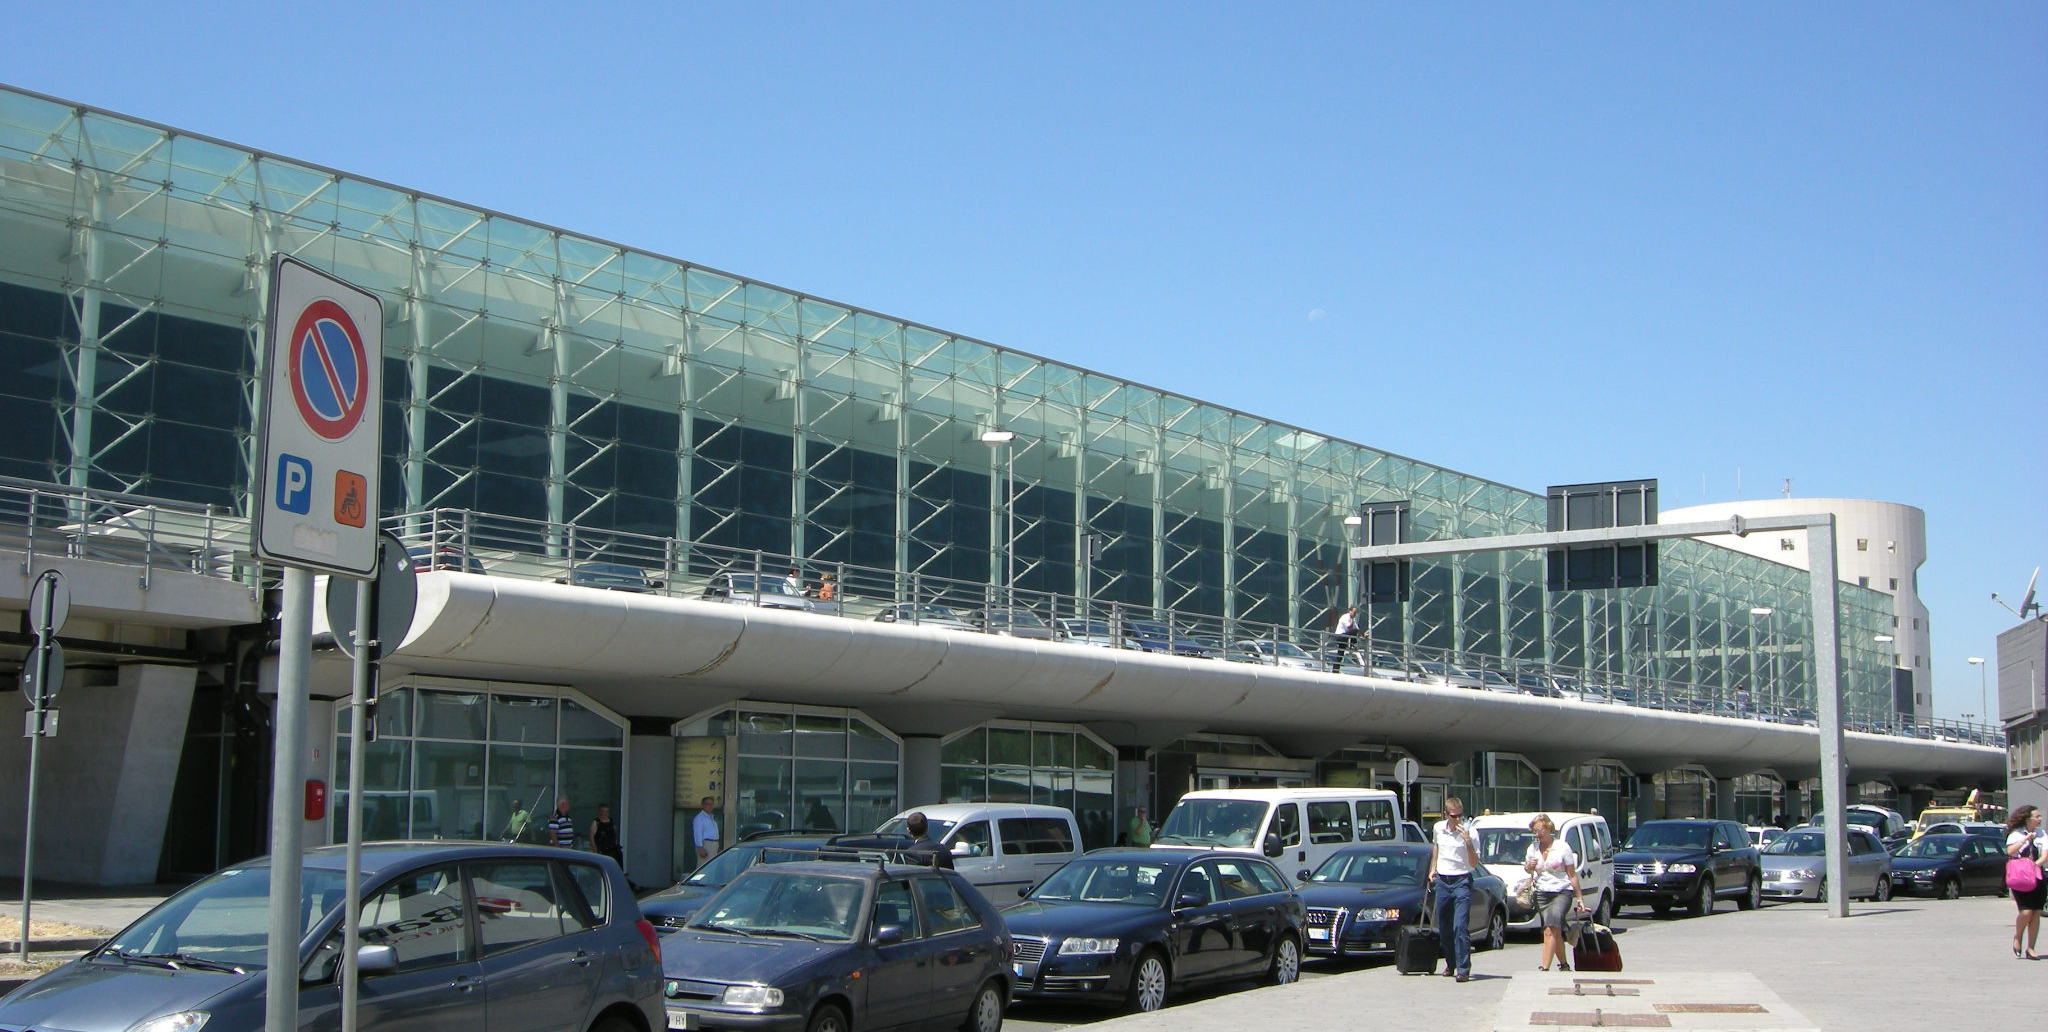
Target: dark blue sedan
[1361, 896]
[1950, 866]
[671, 908]
[1123, 926]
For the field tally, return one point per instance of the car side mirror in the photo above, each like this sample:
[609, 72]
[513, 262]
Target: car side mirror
[963, 849]
[1023, 891]
[376, 960]
[1273, 847]
[888, 934]
[1188, 901]
[1303, 875]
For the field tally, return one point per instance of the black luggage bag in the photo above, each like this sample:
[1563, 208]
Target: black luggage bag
[1416, 949]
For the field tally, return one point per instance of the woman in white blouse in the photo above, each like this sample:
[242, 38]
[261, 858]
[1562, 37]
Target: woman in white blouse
[1556, 870]
[2024, 838]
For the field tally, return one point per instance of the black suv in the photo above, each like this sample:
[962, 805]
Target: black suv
[1688, 863]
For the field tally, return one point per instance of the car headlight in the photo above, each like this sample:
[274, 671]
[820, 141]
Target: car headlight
[1379, 914]
[183, 1021]
[1919, 875]
[1075, 947]
[1682, 868]
[762, 996]
[1802, 874]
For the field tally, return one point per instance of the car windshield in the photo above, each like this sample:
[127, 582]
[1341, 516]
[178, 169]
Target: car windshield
[1930, 848]
[225, 919]
[751, 583]
[1134, 882]
[1797, 845]
[1665, 836]
[898, 826]
[1100, 627]
[1220, 822]
[1362, 868]
[1016, 618]
[726, 866]
[1504, 845]
[766, 902]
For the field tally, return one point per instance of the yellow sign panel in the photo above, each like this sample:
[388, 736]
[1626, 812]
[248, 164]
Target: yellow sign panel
[700, 770]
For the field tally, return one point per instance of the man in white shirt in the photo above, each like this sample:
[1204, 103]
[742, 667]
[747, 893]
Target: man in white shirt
[704, 830]
[1453, 856]
[1347, 637]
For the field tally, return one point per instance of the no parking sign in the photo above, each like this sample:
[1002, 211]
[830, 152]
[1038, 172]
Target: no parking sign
[316, 503]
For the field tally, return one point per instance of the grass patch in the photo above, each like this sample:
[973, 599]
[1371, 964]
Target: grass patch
[10, 930]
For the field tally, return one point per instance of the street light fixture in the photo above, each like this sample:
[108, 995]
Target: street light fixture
[1983, 706]
[1007, 438]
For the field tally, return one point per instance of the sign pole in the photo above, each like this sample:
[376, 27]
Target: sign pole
[28, 855]
[49, 604]
[287, 823]
[366, 634]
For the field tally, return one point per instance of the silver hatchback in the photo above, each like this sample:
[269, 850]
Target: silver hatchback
[454, 937]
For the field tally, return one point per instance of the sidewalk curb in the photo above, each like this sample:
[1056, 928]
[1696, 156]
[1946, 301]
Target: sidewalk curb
[12, 948]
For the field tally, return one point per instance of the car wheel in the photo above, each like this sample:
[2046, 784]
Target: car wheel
[612, 1025]
[1752, 897]
[1286, 965]
[987, 1013]
[1950, 888]
[1148, 984]
[828, 1018]
[1703, 900]
[1496, 932]
[1604, 913]
[1884, 889]
[1822, 893]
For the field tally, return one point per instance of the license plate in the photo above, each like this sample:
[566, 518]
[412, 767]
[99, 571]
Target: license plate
[681, 1019]
[1018, 969]
[1319, 933]
[1635, 879]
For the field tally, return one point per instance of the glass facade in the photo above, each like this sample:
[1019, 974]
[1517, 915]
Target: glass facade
[1021, 762]
[534, 373]
[801, 767]
[455, 760]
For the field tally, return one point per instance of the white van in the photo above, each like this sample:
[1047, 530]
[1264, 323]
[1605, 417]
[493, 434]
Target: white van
[1504, 840]
[1297, 828]
[999, 847]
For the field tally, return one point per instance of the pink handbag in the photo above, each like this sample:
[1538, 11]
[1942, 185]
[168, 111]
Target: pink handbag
[2022, 874]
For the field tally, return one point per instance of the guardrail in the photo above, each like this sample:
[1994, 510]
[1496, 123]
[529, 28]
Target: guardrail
[151, 534]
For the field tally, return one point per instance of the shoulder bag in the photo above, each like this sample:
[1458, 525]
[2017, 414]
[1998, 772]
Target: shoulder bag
[2023, 872]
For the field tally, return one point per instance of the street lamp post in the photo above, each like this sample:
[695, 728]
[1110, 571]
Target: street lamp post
[1983, 703]
[1007, 438]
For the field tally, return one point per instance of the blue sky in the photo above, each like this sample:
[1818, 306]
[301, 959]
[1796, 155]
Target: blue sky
[1542, 243]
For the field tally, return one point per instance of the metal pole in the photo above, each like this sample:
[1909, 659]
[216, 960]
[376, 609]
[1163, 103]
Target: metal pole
[287, 826]
[35, 760]
[1828, 688]
[358, 708]
[1010, 524]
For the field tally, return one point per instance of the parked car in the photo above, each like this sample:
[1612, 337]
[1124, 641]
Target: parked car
[1795, 866]
[1996, 831]
[1950, 866]
[1275, 653]
[671, 908]
[1153, 636]
[1298, 828]
[1504, 840]
[1127, 926]
[1887, 824]
[1443, 674]
[924, 614]
[437, 921]
[1017, 623]
[1762, 835]
[1536, 684]
[829, 947]
[767, 590]
[612, 577]
[1412, 832]
[1366, 664]
[1495, 681]
[1098, 633]
[1361, 896]
[998, 847]
[1690, 863]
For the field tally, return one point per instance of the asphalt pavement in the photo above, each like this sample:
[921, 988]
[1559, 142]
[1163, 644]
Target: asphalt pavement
[1910, 964]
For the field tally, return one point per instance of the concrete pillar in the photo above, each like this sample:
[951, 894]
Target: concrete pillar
[104, 797]
[1646, 798]
[1550, 790]
[921, 771]
[1725, 807]
[647, 821]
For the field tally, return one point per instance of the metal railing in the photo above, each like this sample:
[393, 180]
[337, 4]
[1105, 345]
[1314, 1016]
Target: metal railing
[152, 534]
[460, 539]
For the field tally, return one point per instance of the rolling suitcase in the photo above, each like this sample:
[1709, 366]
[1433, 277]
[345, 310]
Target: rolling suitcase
[1416, 946]
[1596, 950]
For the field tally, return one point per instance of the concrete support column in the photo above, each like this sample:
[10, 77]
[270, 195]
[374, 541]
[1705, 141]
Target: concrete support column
[921, 771]
[647, 821]
[1725, 807]
[1550, 790]
[1646, 799]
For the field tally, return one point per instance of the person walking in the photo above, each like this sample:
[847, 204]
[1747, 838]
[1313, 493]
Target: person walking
[2024, 838]
[561, 829]
[1453, 856]
[704, 830]
[515, 826]
[1141, 829]
[604, 836]
[1347, 637]
[923, 849]
[1556, 869]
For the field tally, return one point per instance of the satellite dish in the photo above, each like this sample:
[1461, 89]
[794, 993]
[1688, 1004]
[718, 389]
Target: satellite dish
[2027, 603]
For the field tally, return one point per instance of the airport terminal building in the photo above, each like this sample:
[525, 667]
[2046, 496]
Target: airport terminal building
[592, 450]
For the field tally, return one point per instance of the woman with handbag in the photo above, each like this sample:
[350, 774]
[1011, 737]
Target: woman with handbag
[1553, 869]
[2027, 847]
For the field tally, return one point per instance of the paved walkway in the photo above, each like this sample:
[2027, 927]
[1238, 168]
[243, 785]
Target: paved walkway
[1909, 965]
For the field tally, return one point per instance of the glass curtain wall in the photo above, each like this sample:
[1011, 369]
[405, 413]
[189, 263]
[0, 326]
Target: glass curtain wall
[804, 767]
[457, 761]
[532, 372]
[1018, 762]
